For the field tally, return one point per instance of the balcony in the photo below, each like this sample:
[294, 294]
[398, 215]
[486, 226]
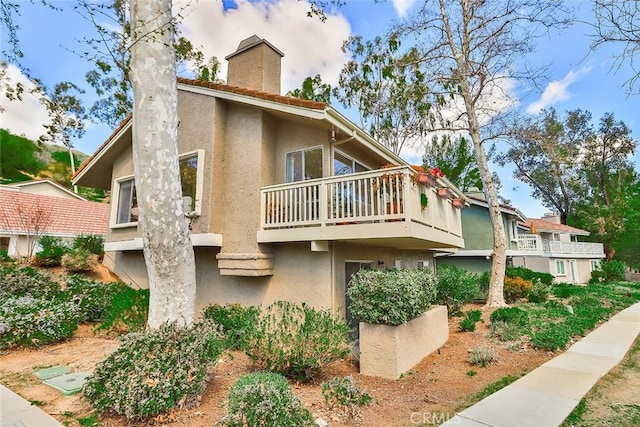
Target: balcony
[533, 243]
[385, 207]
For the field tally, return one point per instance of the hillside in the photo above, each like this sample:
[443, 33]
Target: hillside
[22, 160]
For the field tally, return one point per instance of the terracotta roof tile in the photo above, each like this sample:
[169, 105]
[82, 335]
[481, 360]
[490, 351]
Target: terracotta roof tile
[543, 225]
[256, 94]
[63, 215]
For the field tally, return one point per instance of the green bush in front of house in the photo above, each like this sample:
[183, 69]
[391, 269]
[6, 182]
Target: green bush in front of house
[154, 372]
[236, 322]
[51, 252]
[296, 340]
[33, 322]
[609, 271]
[391, 297]
[265, 399]
[456, 287]
[18, 281]
[527, 274]
[91, 243]
[79, 261]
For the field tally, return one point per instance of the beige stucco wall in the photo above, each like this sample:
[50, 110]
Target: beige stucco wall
[548, 265]
[390, 351]
[46, 189]
[300, 275]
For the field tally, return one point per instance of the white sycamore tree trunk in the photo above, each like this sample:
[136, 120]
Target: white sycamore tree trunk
[165, 233]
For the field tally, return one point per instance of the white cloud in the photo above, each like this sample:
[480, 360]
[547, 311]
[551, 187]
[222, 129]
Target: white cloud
[557, 90]
[310, 46]
[402, 6]
[25, 117]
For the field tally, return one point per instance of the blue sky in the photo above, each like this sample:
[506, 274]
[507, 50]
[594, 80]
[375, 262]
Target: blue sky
[577, 78]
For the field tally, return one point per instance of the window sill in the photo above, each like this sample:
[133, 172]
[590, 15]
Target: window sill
[124, 225]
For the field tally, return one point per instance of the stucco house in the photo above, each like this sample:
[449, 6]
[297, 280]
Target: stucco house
[542, 244]
[552, 247]
[28, 211]
[286, 197]
[477, 231]
[47, 187]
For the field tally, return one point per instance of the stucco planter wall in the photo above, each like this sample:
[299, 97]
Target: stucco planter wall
[389, 351]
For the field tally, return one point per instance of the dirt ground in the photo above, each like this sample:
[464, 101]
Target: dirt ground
[436, 388]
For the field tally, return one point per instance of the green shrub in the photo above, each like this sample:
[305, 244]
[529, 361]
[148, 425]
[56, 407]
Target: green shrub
[539, 291]
[455, 287]
[5, 258]
[92, 298]
[551, 337]
[235, 321]
[19, 281]
[265, 399]
[483, 282]
[483, 356]
[470, 320]
[92, 243]
[515, 288]
[565, 290]
[155, 371]
[296, 340]
[128, 310]
[391, 297]
[513, 315]
[527, 274]
[34, 322]
[345, 393]
[79, 261]
[506, 331]
[610, 271]
[51, 252]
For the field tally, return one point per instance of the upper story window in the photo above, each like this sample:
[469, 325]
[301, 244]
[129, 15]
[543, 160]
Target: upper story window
[127, 203]
[191, 177]
[514, 229]
[305, 164]
[343, 165]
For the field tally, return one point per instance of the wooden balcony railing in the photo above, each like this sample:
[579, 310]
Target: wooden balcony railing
[534, 243]
[380, 196]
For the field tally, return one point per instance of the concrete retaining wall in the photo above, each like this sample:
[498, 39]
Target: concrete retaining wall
[389, 351]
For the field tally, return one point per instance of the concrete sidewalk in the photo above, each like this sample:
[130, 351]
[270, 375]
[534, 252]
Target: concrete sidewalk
[17, 412]
[548, 394]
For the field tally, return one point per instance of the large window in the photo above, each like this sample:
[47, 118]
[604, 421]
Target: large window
[343, 165]
[127, 205]
[561, 268]
[191, 178]
[304, 164]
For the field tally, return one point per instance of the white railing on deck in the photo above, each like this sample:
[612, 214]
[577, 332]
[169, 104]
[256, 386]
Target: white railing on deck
[535, 244]
[383, 195]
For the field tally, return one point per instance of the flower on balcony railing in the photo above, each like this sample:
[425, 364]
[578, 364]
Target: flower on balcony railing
[437, 173]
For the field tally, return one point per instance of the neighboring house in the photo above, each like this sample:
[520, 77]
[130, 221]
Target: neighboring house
[542, 245]
[552, 247]
[477, 231]
[45, 187]
[25, 216]
[286, 197]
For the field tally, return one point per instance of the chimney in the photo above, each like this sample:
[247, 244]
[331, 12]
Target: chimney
[255, 65]
[552, 218]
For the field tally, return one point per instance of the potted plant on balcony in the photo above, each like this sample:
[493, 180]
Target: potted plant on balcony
[396, 318]
[444, 192]
[457, 203]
